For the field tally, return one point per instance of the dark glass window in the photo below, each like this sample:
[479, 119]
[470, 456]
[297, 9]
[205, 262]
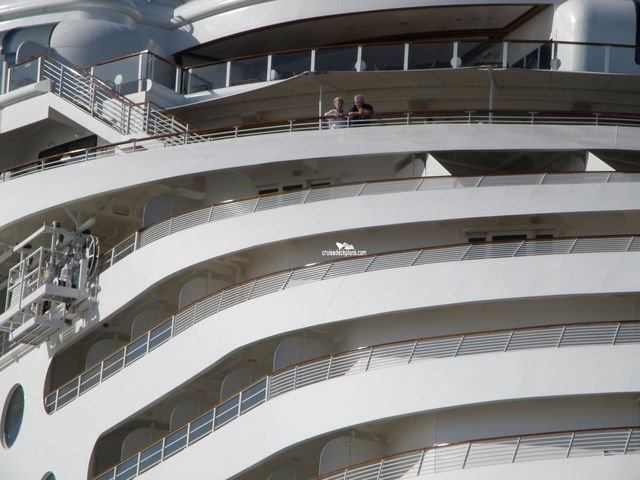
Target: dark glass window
[12, 420]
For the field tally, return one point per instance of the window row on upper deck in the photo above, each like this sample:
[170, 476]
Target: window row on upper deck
[132, 74]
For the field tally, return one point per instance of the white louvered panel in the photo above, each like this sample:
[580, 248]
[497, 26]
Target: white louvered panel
[394, 260]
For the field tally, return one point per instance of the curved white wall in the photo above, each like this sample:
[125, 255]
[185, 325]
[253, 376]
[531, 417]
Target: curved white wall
[195, 350]
[142, 268]
[313, 411]
[237, 19]
[23, 196]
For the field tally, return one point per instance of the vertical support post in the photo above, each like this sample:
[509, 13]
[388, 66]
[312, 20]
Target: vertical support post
[39, 71]
[320, 108]
[359, 59]
[140, 69]
[269, 67]
[607, 58]
[312, 67]
[454, 59]
[227, 81]
[178, 82]
[6, 72]
[491, 93]
[405, 62]
[505, 54]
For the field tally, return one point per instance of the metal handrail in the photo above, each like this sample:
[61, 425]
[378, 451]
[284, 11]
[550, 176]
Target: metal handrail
[306, 124]
[228, 297]
[373, 358]
[494, 451]
[257, 203]
[94, 96]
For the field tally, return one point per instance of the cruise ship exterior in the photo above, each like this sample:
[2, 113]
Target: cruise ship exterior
[319, 239]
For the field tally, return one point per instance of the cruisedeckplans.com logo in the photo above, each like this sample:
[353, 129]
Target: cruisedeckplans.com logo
[344, 250]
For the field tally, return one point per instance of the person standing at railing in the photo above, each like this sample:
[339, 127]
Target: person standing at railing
[360, 112]
[337, 115]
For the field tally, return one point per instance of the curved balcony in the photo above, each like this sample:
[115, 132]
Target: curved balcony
[495, 451]
[364, 360]
[273, 283]
[319, 124]
[255, 288]
[259, 203]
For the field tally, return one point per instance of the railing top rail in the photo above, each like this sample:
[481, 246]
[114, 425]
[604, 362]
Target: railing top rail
[347, 184]
[344, 352]
[320, 359]
[287, 122]
[475, 440]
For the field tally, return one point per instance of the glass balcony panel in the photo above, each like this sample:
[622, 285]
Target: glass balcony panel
[289, 65]
[248, 70]
[160, 334]
[151, 456]
[227, 411]
[336, 59]
[127, 469]
[24, 74]
[208, 77]
[126, 71]
[110, 475]
[161, 72]
[480, 54]
[136, 350]
[113, 364]
[529, 55]
[175, 442]
[430, 55]
[89, 379]
[201, 426]
[254, 395]
[383, 57]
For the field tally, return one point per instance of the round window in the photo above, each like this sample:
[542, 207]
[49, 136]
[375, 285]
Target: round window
[12, 416]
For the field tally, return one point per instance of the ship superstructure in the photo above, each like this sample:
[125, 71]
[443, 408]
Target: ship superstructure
[209, 270]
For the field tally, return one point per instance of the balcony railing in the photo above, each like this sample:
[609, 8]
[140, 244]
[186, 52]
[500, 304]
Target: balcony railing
[495, 451]
[272, 283]
[308, 124]
[96, 98]
[260, 203]
[367, 359]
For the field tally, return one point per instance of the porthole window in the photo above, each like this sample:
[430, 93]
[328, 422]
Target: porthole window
[12, 416]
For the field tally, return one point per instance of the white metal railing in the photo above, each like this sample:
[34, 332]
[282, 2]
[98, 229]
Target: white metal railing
[258, 287]
[97, 99]
[495, 451]
[307, 125]
[367, 359]
[222, 211]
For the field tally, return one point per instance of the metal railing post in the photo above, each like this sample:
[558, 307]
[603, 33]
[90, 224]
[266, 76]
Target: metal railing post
[366, 368]
[573, 435]
[39, 70]
[626, 446]
[515, 452]
[405, 61]
[505, 54]
[413, 350]
[466, 456]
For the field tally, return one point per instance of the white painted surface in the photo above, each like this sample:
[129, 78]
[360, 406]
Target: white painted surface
[22, 197]
[480, 378]
[142, 270]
